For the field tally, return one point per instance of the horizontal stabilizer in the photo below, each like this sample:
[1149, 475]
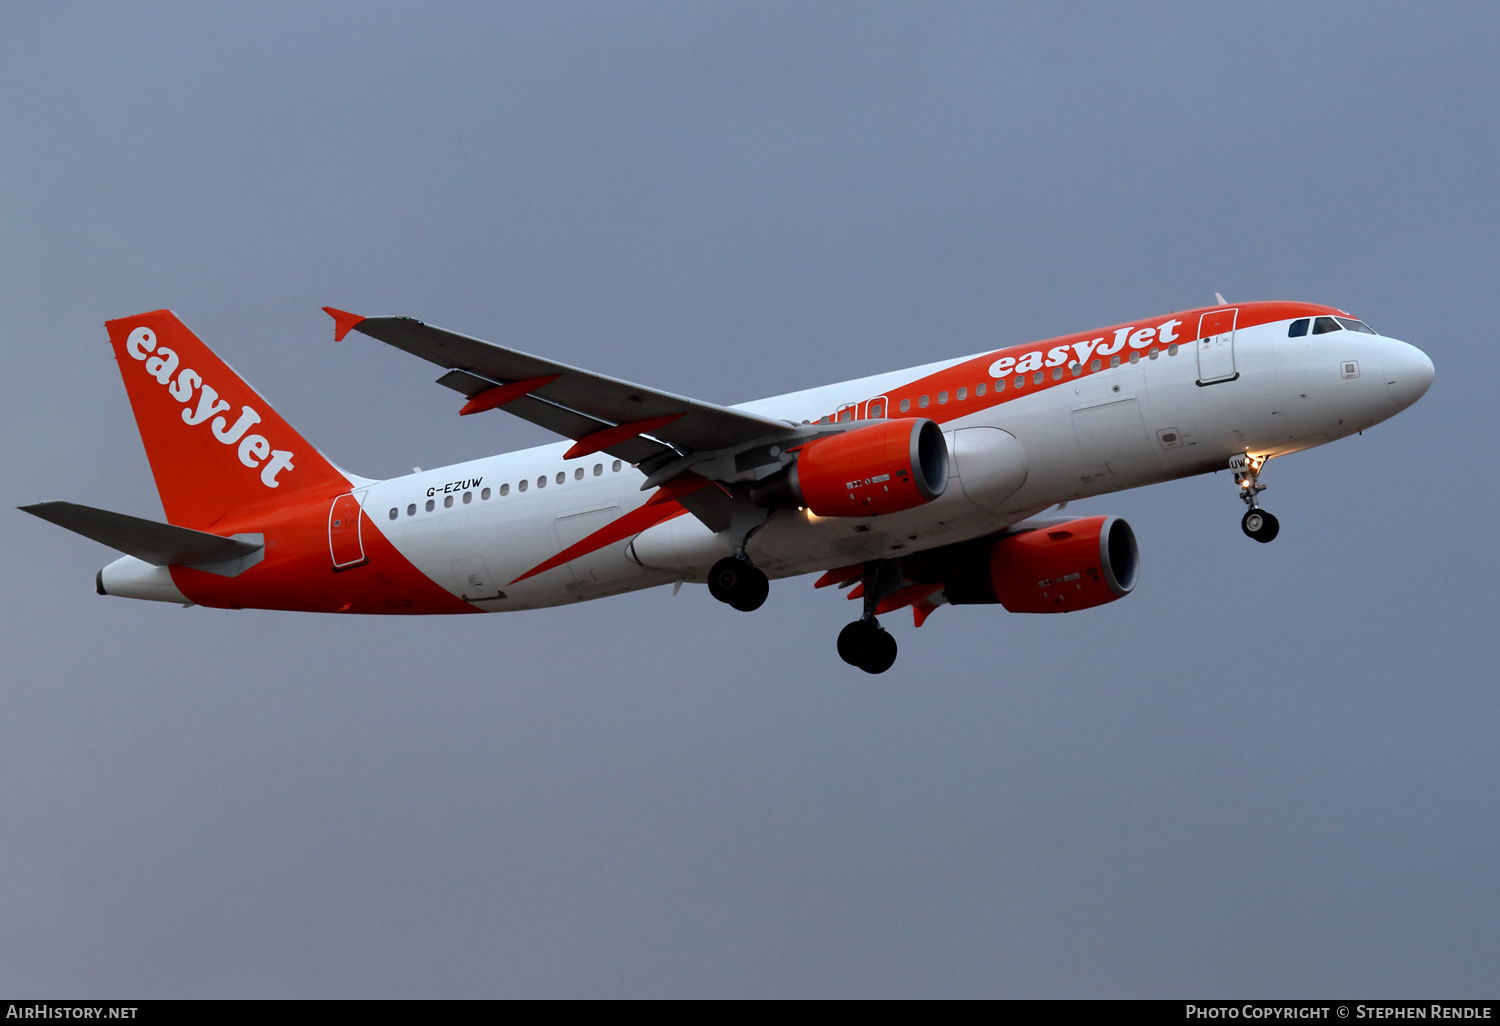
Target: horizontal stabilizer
[155, 543]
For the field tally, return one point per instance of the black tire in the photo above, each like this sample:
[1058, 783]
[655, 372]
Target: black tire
[854, 639]
[752, 592]
[880, 653]
[724, 578]
[736, 583]
[1260, 525]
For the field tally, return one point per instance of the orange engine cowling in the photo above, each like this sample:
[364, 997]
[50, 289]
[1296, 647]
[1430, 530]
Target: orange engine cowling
[884, 468]
[1056, 568]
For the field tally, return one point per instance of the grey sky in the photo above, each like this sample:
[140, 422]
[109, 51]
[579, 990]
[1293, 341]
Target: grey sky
[1271, 770]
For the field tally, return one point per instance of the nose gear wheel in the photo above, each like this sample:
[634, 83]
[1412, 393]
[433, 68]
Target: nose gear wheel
[1260, 525]
[1256, 523]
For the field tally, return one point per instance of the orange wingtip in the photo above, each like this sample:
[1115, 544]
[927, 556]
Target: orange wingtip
[343, 320]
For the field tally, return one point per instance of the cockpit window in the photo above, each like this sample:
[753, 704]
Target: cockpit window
[1323, 325]
[1298, 328]
[1359, 326]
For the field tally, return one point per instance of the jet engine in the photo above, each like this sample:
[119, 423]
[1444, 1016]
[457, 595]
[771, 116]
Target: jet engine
[1054, 568]
[886, 467]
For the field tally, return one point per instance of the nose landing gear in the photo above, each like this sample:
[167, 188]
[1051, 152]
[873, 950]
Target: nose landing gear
[1256, 523]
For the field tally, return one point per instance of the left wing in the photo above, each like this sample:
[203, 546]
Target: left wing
[603, 414]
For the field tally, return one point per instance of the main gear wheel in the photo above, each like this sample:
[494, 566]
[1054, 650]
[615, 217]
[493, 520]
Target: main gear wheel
[867, 645]
[738, 583]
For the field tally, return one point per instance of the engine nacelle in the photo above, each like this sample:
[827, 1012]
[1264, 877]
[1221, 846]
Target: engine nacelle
[887, 467]
[1056, 568]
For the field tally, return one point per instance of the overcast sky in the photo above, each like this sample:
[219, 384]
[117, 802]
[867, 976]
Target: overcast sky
[1272, 770]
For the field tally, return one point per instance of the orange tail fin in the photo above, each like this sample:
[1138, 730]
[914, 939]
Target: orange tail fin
[214, 444]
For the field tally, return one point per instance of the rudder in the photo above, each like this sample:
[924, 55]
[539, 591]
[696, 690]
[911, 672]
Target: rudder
[213, 443]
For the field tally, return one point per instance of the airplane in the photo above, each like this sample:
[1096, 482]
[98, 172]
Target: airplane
[911, 489]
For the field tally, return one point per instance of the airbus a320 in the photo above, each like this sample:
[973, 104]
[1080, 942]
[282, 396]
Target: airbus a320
[911, 489]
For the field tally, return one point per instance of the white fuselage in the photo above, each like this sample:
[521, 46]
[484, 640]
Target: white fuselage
[1121, 427]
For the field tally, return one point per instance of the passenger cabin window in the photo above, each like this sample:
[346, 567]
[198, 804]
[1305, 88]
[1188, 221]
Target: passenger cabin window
[1298, 328]
[1323, 325]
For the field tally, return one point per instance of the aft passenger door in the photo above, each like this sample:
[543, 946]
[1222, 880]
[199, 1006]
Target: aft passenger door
[345, 544]
[1216, 347]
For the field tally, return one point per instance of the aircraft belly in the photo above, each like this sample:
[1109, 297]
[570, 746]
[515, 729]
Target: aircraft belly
[794, 543]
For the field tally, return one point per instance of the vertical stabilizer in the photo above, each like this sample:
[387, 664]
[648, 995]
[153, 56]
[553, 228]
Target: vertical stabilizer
[214, 444]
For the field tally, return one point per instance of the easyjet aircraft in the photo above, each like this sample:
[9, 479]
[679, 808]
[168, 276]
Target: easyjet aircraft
[914, 488]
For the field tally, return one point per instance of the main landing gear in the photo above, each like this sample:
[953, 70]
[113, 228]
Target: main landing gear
[735, 581]
[1256, 523]
[864, 643]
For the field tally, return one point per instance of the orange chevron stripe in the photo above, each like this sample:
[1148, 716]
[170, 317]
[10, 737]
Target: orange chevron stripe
[631, 523]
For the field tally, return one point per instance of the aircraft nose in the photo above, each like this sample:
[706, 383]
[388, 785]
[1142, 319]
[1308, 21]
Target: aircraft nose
[1408, 374]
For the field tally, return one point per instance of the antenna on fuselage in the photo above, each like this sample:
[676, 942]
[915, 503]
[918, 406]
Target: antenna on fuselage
[1221, 299]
